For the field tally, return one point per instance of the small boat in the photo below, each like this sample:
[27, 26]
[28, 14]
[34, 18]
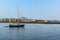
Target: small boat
[18, 24]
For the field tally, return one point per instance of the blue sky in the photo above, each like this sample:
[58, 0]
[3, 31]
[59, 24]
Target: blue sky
[35, 9]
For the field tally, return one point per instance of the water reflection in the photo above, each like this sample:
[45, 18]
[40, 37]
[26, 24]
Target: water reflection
[15, 32]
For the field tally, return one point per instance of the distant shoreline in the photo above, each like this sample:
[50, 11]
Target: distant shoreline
[31, 23]
[27, 20]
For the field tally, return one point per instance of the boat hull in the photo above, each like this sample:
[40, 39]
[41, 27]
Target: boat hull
[16, 25]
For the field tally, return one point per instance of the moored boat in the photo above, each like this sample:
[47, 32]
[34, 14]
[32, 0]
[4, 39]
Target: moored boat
[16, 24]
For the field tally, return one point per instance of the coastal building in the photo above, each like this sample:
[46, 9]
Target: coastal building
[13, 20]
[39, 21]
[24, 19]
[4, 19]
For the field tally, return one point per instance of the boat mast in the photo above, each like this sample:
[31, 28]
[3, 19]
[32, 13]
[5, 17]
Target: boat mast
[17, 12]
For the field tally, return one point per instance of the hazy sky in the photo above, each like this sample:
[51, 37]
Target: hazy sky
[35, 9]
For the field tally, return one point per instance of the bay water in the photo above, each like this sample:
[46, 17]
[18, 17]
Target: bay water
[30, 32]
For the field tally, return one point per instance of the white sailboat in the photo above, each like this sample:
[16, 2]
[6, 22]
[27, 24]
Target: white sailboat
[16, 24]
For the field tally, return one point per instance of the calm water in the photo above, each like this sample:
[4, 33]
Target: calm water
[30, 32]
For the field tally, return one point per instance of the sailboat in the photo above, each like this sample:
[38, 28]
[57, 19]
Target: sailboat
[16, 24]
